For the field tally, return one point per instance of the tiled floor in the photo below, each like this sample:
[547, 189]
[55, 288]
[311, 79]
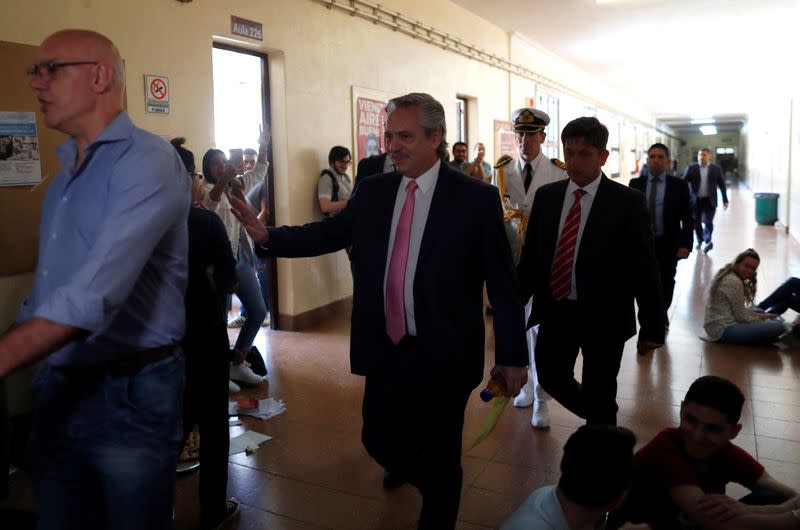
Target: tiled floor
[314, 473]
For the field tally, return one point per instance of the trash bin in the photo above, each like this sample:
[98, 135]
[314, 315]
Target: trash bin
[766, 208]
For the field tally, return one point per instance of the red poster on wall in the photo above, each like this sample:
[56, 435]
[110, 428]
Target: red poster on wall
[504, 141]
[370, 119]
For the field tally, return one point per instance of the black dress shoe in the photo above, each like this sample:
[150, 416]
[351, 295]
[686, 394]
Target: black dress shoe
[392, 480]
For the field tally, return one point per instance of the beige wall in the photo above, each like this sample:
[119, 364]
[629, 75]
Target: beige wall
[794, 167]
[768, 153]
[316, 56]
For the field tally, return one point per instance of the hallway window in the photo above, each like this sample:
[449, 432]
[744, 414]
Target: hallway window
[461, 119]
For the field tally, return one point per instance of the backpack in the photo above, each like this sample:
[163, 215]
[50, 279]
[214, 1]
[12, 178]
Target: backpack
[334, 183]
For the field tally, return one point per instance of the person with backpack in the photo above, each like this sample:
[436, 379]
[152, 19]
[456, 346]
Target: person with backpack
[334, 188]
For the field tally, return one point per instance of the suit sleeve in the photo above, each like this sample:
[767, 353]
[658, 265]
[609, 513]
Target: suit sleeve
[721, 184]
[526, 266]
[501, 284]
[649, 297]
[313, 239]
[684, 208]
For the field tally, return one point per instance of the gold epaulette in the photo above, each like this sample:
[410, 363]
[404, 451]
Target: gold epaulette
[502, 161]
[559, 163]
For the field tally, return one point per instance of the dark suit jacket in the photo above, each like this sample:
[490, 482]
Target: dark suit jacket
[463, 245]
[615, 264]
[715, 180]
[678, 220]
[372, 165]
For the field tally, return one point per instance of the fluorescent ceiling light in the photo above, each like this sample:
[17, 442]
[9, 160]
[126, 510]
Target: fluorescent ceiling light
[708, 130]
[701, 121]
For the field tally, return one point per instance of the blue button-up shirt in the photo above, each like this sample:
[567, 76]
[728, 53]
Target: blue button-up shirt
[658, 215]
[113, 246]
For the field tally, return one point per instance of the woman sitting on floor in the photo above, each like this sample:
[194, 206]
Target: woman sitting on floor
[730, 316]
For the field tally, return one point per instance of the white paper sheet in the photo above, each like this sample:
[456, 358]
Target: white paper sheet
[247, 442]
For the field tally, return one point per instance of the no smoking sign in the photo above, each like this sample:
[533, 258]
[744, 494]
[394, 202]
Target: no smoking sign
[156, 94]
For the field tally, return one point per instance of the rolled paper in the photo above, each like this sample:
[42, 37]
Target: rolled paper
[498, 406]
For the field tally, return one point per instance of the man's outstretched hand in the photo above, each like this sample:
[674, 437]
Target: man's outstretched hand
[250, 222]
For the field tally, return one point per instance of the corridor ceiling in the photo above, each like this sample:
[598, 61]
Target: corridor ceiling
[675, 57]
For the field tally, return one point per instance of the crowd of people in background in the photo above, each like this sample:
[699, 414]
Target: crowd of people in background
[118, 337]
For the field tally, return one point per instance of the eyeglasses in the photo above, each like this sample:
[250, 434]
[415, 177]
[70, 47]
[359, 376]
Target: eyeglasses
[48, 68]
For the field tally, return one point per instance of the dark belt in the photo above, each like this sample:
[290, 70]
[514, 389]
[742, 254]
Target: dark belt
[125, 367]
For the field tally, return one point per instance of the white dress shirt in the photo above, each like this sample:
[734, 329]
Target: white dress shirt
[702, 191]
[422, 205]
[586, 206]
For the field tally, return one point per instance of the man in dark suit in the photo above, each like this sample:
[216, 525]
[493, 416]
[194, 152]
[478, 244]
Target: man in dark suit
[424, 240]
[670, 216]
[374, 165]
[588, 255]
[704, 178]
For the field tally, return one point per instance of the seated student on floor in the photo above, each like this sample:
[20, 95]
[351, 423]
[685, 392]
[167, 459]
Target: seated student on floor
[680, 476]
[787, 296]
[589, 486]
[730, 316]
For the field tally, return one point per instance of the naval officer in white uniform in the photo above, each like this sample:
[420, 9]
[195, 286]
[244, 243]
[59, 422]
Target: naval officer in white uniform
[521, 177]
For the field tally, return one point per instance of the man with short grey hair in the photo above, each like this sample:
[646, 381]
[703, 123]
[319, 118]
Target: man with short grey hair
[424, 240]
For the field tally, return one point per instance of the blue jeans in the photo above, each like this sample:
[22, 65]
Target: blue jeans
[262, 274]
[104, 448]
[759, 332]
[249, 294]
[787, 296]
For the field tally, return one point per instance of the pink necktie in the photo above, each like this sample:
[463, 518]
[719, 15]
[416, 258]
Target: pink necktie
[395, 279]
[561, 273]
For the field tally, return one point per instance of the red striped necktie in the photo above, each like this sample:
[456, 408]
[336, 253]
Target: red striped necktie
[561, 273]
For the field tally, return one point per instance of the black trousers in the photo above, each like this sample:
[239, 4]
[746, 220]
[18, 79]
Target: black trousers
[557, 345]
[413, 420]
[666, 254]
[703, 212]
[205, 404]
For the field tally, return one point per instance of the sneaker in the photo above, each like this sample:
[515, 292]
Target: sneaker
[189, 460]
[708, 247]
[266, 321]
[524, 398]
[541, 415]
[231, 511]
[236, 322]
[233, 387]
[184, 468]
[244, 375]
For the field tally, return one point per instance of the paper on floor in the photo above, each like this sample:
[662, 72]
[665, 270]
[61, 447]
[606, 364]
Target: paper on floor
[267, 408]
[247, 442]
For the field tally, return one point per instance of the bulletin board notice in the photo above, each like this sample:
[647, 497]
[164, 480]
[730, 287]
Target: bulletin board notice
[20, 164]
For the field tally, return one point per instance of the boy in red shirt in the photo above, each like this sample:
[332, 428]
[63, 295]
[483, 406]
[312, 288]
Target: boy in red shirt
[680, 476]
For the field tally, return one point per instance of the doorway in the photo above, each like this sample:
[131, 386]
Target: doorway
[726, 158]
[241, 107]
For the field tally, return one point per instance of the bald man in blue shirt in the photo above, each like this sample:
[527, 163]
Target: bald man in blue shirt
[107, 307]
